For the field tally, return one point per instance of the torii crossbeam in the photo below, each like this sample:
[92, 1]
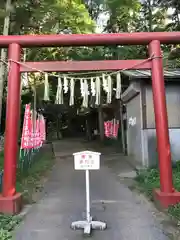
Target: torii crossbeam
[10, 200]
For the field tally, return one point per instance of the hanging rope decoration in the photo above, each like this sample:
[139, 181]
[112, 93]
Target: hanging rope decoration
[84, 92]
[24, 81]
[59, 94]
[72, 85]
[105, 83]
[46, 88]
[118, 85]
[82, 87]
[93, 87]
[109, 92]
[65, 85]
[98, 91]
[87, 93]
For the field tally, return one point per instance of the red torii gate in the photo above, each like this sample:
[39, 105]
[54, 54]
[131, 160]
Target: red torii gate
[10, 201]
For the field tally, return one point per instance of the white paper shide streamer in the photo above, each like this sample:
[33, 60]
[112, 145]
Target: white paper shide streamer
[118, 85]
[65, 84]
[109, 92]
[82, 87]
[93, 87]
[84, 92]
[24, 77]
[98, 91]
[46, 88]
[72, 85]
[105, 83]
[59, 94]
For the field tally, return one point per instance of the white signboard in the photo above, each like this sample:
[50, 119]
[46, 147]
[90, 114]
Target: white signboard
[87, 160]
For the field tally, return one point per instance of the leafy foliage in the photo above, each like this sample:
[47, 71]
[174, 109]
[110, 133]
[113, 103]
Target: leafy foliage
[49, 16]
[95, 7]
[7, 224]
[149, 179]
[122, 15]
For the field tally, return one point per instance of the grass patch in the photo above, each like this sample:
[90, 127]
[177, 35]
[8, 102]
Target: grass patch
[7, 225]
[28, 183]
[174, 211]
[149, 179]
[31, 181]
[1, 159]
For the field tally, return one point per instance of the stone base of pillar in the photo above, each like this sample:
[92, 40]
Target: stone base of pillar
[166, 199]
[11, 205]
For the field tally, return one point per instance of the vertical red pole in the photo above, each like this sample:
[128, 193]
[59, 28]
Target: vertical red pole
[12, 122]
[161, 118]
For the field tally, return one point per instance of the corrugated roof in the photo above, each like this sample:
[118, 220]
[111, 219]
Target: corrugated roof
[147, 73]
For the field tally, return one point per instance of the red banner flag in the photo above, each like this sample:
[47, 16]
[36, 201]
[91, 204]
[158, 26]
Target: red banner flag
[111, 128]
[42, 128]
[33, 135]
[38, 141]
[26, 133]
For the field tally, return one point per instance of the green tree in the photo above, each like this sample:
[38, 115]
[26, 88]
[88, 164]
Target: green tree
[174, 16]
[47, 17]
[122, 15]
[95, 7]
[6, 27]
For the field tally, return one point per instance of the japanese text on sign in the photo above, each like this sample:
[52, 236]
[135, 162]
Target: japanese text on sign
[87, 160]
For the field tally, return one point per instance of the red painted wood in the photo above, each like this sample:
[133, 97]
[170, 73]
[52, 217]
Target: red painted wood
[138, 38]
[76, 66]
[12, 123]
[161, 118]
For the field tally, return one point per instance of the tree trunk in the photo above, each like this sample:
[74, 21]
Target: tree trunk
[4, 53]
[150, 16]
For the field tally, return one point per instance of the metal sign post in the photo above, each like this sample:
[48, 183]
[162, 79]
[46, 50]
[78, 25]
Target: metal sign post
[88, 214]
[87, 161]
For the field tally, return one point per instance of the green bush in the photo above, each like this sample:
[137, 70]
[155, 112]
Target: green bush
[149, 179]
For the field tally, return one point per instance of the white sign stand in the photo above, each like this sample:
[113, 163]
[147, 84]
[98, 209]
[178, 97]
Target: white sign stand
[87, 161]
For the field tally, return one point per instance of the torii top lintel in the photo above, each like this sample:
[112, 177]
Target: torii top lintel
[138, 38]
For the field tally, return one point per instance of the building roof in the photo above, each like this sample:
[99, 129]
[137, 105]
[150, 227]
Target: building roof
[147, 73]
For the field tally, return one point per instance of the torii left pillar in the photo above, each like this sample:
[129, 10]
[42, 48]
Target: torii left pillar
[10, 201]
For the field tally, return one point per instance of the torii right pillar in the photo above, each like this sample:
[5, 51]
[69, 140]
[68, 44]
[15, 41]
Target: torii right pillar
[166, 195]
